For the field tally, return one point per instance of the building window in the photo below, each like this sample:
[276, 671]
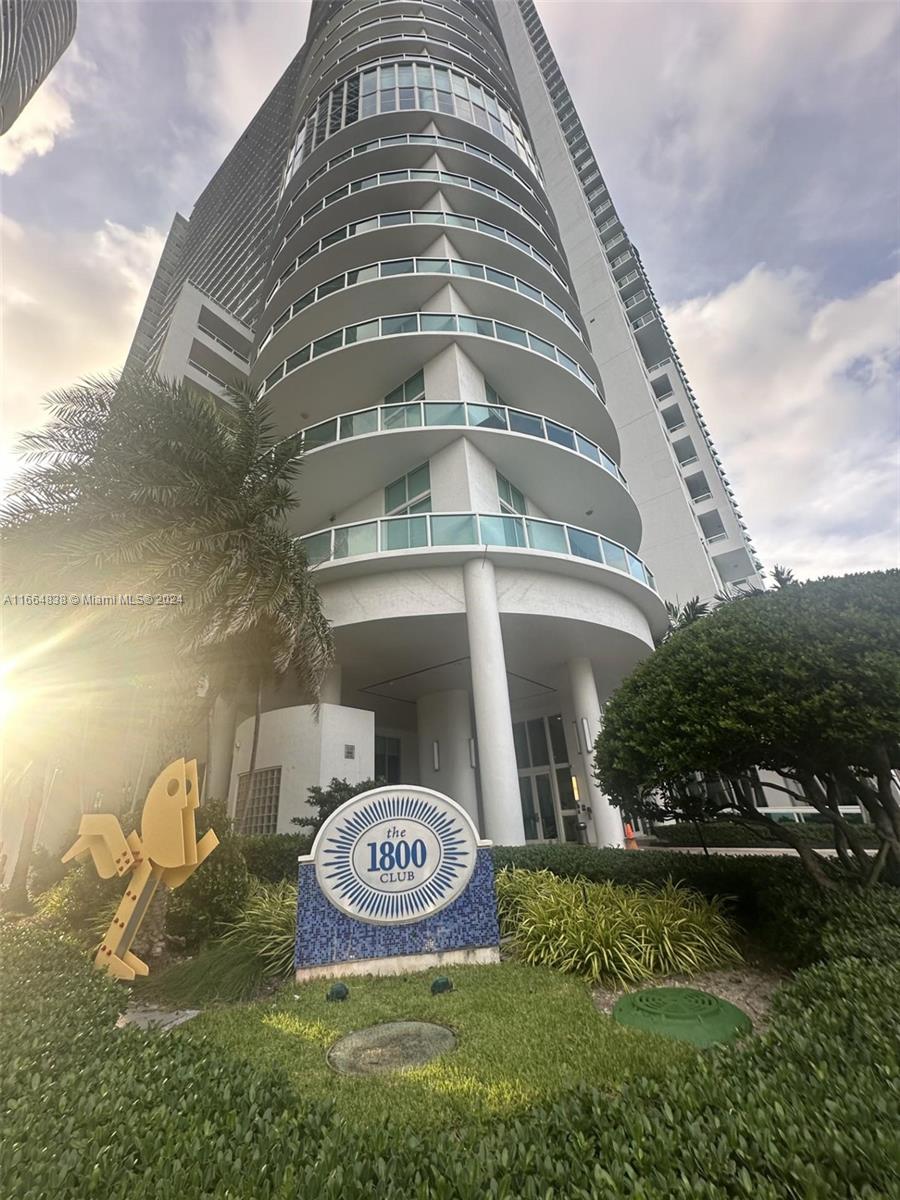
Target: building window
[511, 499]
[258, 813]
[387, 758]
[412, 389]
[409, 494]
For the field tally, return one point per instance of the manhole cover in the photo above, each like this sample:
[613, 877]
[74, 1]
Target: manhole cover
[394, 1046]
[682, 1013]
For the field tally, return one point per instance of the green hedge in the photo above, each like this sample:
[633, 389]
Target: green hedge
[273, 857]
[810, 1110]
[729, 833]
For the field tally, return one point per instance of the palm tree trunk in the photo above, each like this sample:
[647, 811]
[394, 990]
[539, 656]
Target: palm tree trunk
[16, 899]
[251, 770]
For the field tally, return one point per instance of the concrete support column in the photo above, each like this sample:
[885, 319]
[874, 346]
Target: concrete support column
[220, 748]
[586, 702]
[445, 747]
[493, 720]
[330, 692]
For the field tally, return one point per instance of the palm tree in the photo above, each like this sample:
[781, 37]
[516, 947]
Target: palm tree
[141, 487]
[680, 617]
[782, 576]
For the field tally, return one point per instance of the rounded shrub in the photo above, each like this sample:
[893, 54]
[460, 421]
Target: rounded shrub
[211, 898]
[612, 932]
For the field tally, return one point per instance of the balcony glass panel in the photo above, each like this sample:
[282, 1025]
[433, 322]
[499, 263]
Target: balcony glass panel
[560, 435]
[362, 332]
[320, 435]
[502, 531]
[588, 449]
[438, 323]
[522, 422]
[433, 266]
[486, 416]
[545, 535]
[356, 539]
[509, 333]
[614, 555]
[454, 530]
[479, 325]
[401, 416]
[404, 533]
[317, 547]
[636, 567]
[401, 266]
[584, 544]
[445, 414]
[392, 325]
[355, 424]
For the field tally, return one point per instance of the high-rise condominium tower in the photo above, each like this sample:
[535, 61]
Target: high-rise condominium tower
[413, 254]
[33, 35]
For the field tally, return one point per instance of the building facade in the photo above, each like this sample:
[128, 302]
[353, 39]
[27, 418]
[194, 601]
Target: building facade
[505, 471]
[33, 36]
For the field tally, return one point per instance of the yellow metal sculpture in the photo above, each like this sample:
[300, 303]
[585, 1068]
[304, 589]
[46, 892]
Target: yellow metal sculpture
[166, 851]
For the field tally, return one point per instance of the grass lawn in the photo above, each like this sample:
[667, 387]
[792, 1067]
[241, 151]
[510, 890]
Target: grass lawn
[525, 1035]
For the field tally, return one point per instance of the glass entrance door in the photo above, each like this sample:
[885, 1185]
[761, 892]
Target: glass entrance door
[549, 807]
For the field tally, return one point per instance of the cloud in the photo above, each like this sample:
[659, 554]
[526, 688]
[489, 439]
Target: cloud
[264, 33]
[70, 305]
[751, 126]
[46, 117]
[801, 394]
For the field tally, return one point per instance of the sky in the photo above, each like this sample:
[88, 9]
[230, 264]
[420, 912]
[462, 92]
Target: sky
[751, 149]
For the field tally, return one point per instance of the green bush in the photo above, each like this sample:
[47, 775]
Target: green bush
[211, 898]
[267, 926]
[272, 857]
[773, 898]
[611, 932]
[81, 903]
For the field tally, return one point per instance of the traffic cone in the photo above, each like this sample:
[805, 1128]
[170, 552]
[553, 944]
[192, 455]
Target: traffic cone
[630, 839]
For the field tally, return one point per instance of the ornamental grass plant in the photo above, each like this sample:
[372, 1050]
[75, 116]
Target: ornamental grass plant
[611, 932]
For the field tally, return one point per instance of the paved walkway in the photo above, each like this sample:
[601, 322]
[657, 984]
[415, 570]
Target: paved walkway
[162, 1019]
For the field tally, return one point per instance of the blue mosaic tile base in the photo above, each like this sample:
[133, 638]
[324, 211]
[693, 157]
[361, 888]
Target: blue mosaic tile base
[325, 935]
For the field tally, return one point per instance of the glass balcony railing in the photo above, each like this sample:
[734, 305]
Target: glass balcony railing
[428, 322]
[471, 529]
[426, 414]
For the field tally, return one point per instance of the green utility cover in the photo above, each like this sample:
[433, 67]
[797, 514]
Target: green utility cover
[682, 1013]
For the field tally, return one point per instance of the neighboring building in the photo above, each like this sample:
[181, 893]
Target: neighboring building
[33, 36]
[411, 252]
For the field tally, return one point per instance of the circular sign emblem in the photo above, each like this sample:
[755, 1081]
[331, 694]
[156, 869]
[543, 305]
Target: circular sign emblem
[395, 855]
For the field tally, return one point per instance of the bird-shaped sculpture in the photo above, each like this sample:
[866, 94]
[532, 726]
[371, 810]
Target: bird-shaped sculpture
[166, 851]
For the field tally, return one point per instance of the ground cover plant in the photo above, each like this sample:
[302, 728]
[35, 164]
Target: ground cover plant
[807, 1112]
[611, 932]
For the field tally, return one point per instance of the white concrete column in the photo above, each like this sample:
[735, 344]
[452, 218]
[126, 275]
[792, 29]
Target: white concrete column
[586, 703]
[220, 748]
[445, 747]
[330, 691]
[493, 720]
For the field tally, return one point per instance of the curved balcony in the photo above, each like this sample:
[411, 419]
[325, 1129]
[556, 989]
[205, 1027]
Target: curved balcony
[449, 538]
[434, 270]
[567, 473]
[407, 84]
[424, 142]
[407, 27]
[413, 241]
[379, 352]
[408, 176]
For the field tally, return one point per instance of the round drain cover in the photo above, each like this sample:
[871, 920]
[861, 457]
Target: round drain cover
[394, 1046]
[682, 1013]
